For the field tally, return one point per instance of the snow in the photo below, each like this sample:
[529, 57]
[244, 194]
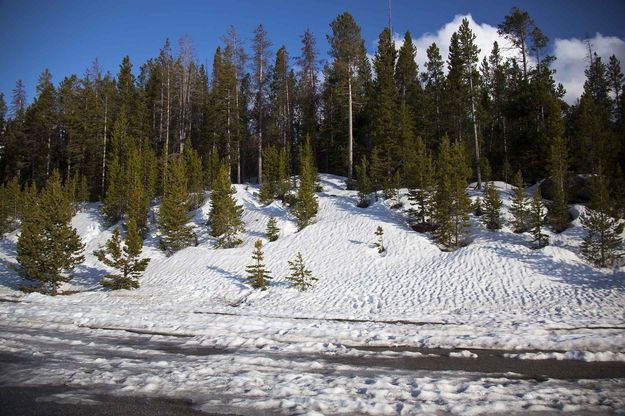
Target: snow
[495, 293]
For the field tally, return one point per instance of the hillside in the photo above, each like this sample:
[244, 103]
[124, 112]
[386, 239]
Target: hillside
[495, 293]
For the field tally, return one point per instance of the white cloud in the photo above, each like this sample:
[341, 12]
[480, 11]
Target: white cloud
[572, 60]
[485, 35]
[571, 54]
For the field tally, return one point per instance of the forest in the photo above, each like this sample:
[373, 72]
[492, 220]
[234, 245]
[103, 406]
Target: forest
[173, 130]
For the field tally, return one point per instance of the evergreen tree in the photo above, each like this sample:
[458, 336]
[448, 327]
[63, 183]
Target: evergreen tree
[273, 232]
[173, 214]
[225, 215]
[363, 183]
[478, 209]
[195, 176]
[558, 214]
[306, 206]
[271, 175]
[301, 278]
[602, 245]
[519, 208]
[351, 67]
[257, 274]
[492, 207]
[379, 244]
[536, 218]
[125, 259]
[451, 202]
[419, 170]
[384, 107]
[5, 225]
[48, 247]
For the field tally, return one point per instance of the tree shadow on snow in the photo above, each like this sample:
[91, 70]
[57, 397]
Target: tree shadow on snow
[238, 279]
[8, 274]
[88, 276]
[376, 211]
[578, 274]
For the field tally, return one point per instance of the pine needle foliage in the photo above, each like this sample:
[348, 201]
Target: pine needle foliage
[257, 275]
[379, 244]
[492, 207]
[363, 184]
[537, 220]
[123, 257]
[519, 208]
[306, 206]
[225, 215]
[602, 245]
[48, 247]
[301, 278]
[175, 234]
[273, 232]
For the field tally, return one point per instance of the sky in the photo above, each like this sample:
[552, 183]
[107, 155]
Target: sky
[65, 36]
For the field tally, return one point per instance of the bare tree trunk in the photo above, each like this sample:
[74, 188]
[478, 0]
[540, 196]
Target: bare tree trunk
[260, 120]
[166, 147]
[48, 156]
[104, 144]
[475, 138]
[351, 135]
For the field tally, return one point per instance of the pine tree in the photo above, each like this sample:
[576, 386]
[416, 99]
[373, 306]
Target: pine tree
[451, 202]
[519, 208]
[536, 219]
[379, 244]
[48, 247]
[273, 232]
[257, 274]
[4, 212]
[301, 278]
[225, 215]
[558, 214]
[114, 199]
[306, 206]
[175, 234]
[419, 170]
[350, 66]
[363, 183]
[602, 245]
[195, 176]
[271, 175]
[125, 259]
[492, 207]
[478, 209]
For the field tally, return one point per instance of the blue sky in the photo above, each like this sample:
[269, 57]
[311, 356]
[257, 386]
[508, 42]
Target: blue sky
[65, 36]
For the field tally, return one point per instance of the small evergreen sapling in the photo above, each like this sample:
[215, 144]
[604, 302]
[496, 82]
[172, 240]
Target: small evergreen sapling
[536, 217]
[519, 208]
[273, 232]
[257, 275]
[125, 259]
[478, 210]
[379, 244]
[301, 278]
[365, 188]
[602, 245]
[306, 206]
[492, 207]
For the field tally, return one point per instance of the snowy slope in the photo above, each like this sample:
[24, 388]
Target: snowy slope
[496, 280]
[495, 293]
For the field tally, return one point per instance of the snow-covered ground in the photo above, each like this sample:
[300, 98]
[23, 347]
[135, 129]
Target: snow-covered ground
[495, 293]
